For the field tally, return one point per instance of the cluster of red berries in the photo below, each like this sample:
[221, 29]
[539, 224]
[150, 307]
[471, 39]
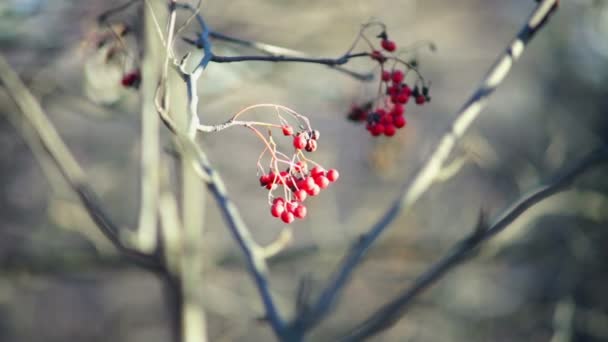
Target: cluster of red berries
[300, 184]
[303, 140]
[297, 181]
[131, 79]
[388, 115]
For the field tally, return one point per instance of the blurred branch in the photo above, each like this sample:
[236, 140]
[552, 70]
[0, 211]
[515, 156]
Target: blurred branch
[255, 255]
[424, 178]
[273, 53]
[395, 309]
[69, 167]
[146, 234]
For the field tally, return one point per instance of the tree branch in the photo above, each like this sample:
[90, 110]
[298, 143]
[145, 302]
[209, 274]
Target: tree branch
[273, 53]
[254, 254]
[391, 312]
[67, 164]
[423, 179]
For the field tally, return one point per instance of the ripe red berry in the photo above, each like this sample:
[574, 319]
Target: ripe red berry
[265, 179]
[287, 130]
[403, 98]
[386, 76]
[307, 183]
[378, 56]
[317, 171]
[398, 109]
[399, 121]
[291, 206]
[377, 129]
[388, 45]
[397, 76]
[333, 175]
[314, 190]
[278, 200]
[300, 195]
[322, 181]
[387, 119]
[311, 145]
[389, 130]
[300, 211]
[277, 209]
[287, 217]
[420, 99]
[299, 141]
[394, 90]
[131, 79]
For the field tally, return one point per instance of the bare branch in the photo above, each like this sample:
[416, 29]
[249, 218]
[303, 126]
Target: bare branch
[254, 254]
[273, 53]
[390, 313]
[424, 178]
[67, 164]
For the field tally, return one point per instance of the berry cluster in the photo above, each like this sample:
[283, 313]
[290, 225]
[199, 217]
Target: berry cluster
[299, 183]
[386, 113]
[294, 174]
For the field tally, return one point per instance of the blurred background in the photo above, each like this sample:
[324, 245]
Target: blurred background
[543, 279]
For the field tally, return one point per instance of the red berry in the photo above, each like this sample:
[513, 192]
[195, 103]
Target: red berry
[380, 112]
[386, 119]
[278, 200]
[393, 90]
[399, 121]
[333, 175]
[289, 181]
[315, 134]
[322, 181]
[397, 76]
[386, 76]
[300, 211]
[398, 109]
[300, 195]
[314, 190]
[420, 99]
[406, 90]
[388, 45]
[291, 206]
[317, 171]
[131, 79]
[389, 130]
[264, 180]
[287, 130]
[277, 209]
[378, 56]
[402, 98]
[311, 145]
[299, 141]
[377, 129]
[287, 217]
[308, 183]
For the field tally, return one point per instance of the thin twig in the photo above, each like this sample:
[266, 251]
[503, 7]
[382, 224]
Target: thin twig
[275, 53]
[254, 254]
[391, 312]
[423, 179]
[282, 58]
[67, 164]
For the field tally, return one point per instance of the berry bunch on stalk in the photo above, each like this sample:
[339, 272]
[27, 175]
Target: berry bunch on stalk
[290, 178]
[400, 83]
